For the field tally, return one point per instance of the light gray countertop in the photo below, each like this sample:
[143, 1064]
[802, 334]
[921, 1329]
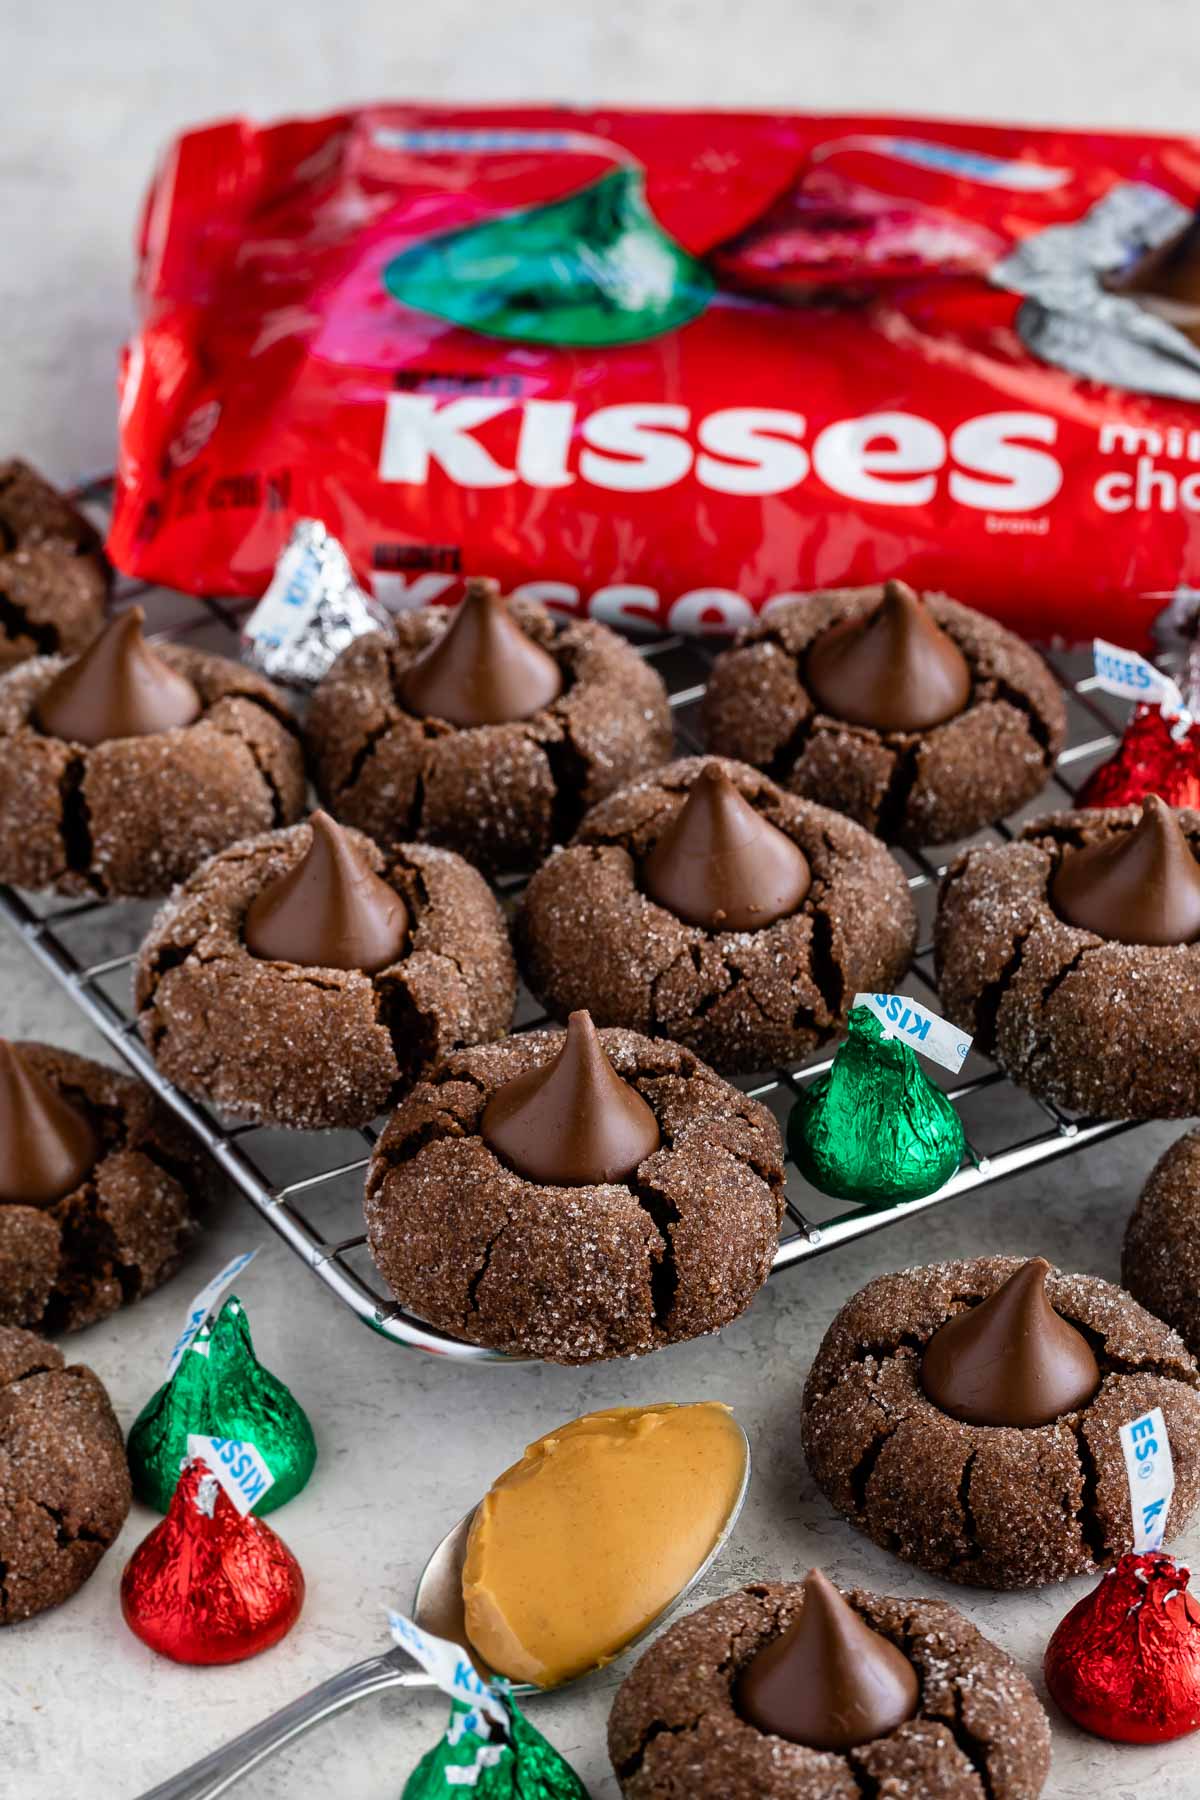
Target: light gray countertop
[406, 1443]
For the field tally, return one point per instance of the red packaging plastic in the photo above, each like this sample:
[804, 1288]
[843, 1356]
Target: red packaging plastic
[664, 368]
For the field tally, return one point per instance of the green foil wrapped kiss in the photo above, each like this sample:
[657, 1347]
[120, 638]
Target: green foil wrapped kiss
[220, 1389]
[874, 1128]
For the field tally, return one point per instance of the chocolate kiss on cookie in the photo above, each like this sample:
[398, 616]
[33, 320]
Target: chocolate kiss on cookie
[721, 865]
[1140, 887]
[572, 1122]
[118, 688]
[896, 669]
[47, 1147]
[1010, 1360]
[483, 670]
[830, 1682]
[331, 911]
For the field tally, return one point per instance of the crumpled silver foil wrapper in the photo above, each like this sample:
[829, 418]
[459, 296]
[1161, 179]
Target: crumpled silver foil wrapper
[312, 610]
[1072, 320]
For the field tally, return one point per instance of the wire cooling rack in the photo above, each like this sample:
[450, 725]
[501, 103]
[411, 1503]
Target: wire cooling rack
[308, 1185]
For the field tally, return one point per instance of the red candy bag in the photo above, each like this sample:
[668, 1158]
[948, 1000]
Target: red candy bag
[663, 368]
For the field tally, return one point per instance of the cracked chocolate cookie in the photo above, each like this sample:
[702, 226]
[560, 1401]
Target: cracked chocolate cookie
[122, 770]
[677, 1727]
[99, 1189]
[992, 1505]
[705, 904]
[507, 1213]
[920, 718]
[487, 731]
[54, 579]
[1071, 956]
[1160, 1262]
[293, 1040]
[64, 1481]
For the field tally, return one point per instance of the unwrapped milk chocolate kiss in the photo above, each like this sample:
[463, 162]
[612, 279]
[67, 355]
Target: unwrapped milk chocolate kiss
[896, 669]
[331, 911]
[721, 865]
[483, 669]
[1141, 887]
[1010, 1360]
[47, 1147]
[573, 1122]
[829, 1682]
[118, 688]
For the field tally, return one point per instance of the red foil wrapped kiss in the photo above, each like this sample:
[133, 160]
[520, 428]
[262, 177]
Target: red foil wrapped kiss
[1125, 1662]
[209, 1584]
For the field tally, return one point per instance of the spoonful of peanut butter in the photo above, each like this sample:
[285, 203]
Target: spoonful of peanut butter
[582, 1545]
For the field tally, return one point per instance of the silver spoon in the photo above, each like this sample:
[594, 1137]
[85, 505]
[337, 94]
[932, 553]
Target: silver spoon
[438, 1608]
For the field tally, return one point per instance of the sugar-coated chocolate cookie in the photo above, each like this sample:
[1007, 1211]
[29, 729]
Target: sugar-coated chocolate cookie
[1160, 1262]
[676, 1729]
[312, 1046]
[574, 1272]
[54, 578]
[119, 1229]
[1096, 1025]
[134, 814]
[64, 1481]
[924, 783]
[589, 934]
[498, 793]
[987, 1505]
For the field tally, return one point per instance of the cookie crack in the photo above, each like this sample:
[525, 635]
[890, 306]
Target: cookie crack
[828, 976]
[476, 1281]
[864, 1468]
[968, 1515]
[656, 1729]
[16, 623]
[1022, 703]
[569, 773]
[260, 763]
[76, 820]
[430, 1131]
[1090, 1527]
[901, 782]
[364, 753]
[662, 1212]
[975, 1749]
[991, 995]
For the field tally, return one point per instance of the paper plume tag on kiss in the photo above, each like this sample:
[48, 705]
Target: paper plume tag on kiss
[1151, 1475]
[914, 1025]
[204, 1304]
[1131, 677]
[450, 1667]
[238, 1467]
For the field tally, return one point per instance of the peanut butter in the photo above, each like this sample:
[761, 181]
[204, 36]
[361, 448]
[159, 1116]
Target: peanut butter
[581, 1544]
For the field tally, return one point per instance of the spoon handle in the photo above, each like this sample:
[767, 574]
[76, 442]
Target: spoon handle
[213, 1774]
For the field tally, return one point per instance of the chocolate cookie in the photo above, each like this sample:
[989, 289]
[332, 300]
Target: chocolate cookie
[133, 814]
[54, 579]
[988, 1505]
[1097, 1026]
[574, 1273]
[123, 1212]
[588, 933]
[310, 1046]
[923, 784]
[500, 794]
[64, 1481]
[676, 1729]
[1160, 1263]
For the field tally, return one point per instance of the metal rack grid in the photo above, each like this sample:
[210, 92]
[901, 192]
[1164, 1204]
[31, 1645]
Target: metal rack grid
[308, 1185]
